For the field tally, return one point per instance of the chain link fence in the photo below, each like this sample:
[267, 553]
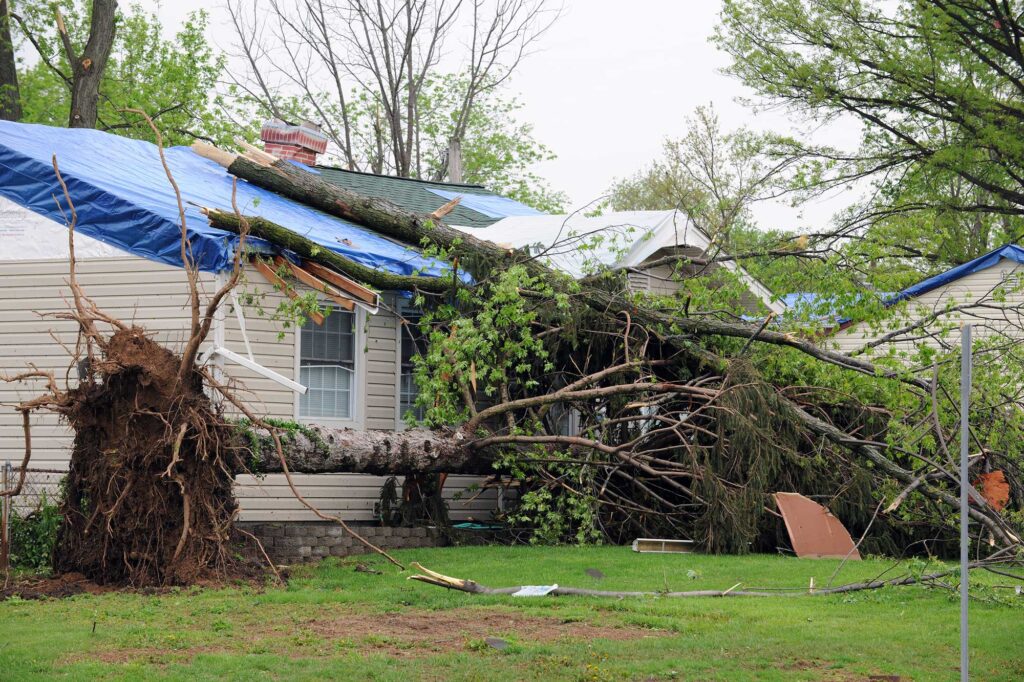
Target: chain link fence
[39, 488]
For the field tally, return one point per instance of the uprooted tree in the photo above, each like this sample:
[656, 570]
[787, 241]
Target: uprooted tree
[619, 413]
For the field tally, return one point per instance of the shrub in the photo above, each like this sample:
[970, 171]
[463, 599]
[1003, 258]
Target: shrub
[33, 537]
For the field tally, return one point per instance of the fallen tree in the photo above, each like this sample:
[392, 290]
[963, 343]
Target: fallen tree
[677, 432]
[678, 335]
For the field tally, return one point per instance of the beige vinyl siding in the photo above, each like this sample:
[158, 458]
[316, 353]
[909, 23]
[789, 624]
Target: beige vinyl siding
[975, 288]
[270, 499]
[381, 358]
[663, 280]
[273, 346]
[131, 289]
[155, 297]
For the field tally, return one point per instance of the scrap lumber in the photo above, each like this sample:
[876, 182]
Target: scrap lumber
[273, 278]
[471, 587]
[310, 251]
[315, 283]
[350, 287]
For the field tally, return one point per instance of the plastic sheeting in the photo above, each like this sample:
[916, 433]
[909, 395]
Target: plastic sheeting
[1010, 251]
[123, 199]
[25, 235]
[490, 205]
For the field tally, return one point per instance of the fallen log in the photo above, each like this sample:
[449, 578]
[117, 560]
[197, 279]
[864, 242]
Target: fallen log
[317, 449]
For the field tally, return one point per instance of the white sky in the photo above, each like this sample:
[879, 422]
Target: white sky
[609, 82]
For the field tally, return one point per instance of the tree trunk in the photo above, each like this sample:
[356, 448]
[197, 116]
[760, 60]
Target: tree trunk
[282, 236]
[10, 95]
[87, 68]
[318, 449]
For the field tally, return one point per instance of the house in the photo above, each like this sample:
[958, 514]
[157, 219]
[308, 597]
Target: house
[351, 369]
[987, 292]
[127, 247]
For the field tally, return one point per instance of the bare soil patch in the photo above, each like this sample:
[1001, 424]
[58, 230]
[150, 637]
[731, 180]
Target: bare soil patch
[418, 633]
[57, 587]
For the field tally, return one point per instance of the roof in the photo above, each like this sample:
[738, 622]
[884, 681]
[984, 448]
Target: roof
[123, 199]
[626, 239]
[479, 206]
[1009, 252]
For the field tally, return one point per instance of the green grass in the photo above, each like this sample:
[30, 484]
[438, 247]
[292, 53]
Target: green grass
[333, 622]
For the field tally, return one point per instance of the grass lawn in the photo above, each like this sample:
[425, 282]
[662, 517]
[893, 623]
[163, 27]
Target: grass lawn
[333, 622]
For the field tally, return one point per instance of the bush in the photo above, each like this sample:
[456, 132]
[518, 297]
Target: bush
[33, 537]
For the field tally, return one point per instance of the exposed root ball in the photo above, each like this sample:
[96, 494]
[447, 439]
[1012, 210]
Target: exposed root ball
[148, 499]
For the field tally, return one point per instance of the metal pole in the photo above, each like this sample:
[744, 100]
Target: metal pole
[5, 522]
[965, 404]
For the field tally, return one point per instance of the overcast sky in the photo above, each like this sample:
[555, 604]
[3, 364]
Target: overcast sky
[609, 82]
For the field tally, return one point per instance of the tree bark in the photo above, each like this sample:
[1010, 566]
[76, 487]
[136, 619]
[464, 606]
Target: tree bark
[87, 68]
[10, 95]
[284, 237]
[318, 449]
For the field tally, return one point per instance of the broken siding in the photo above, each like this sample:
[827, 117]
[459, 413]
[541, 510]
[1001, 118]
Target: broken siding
[1002, 317]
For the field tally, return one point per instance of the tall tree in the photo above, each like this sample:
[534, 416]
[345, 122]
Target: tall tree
[936, 86]
[10, 99]
[173, 79]
[87, 67]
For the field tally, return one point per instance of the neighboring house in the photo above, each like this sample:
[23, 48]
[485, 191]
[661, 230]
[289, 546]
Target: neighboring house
[577, 244]
[985, 292]
[355, 365]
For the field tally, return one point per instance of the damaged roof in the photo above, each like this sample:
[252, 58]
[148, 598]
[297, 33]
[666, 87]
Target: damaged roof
[123, 199]
[479, 207]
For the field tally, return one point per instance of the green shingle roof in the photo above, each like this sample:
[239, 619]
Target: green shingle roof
[410, 194]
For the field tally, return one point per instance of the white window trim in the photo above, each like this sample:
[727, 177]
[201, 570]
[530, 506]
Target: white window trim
[358, 419]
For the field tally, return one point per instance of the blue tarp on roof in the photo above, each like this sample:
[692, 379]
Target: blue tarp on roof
[1010, 251]
[123, 198]
[490, 205]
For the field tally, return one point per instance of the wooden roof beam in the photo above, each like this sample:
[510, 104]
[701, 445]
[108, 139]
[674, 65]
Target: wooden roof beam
[315, 283]
[272, 277]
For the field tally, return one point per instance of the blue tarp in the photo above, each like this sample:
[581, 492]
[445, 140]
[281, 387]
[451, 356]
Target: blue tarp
[490, 205]
[123, 198]
[1010, 251]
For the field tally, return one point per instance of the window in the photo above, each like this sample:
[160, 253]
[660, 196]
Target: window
[411, 344]
[327, 366]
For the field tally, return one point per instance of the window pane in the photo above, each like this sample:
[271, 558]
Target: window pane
[329, 391]
[412, 344]
[326, 366]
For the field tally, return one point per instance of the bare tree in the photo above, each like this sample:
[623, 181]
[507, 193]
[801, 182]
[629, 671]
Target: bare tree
[87, 68]
[360, 66]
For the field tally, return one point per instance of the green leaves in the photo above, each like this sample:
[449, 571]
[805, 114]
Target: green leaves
[173, 80]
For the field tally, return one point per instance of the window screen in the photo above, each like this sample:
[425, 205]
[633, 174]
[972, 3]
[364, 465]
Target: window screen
[327, 366]
[412, 344]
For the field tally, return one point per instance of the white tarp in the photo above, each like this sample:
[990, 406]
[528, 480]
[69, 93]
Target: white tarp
[579, 244]
[25, 235]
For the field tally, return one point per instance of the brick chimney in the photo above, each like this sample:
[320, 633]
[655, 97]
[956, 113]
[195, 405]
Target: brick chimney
[300, 142]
